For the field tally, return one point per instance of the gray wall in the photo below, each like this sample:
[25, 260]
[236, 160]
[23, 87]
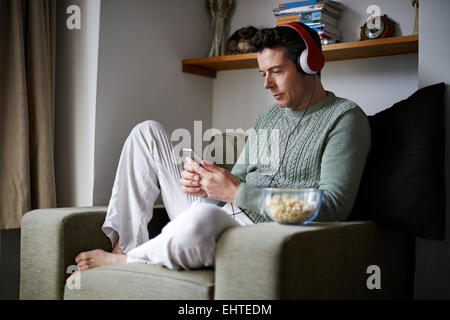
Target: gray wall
[142, 44]
[432, 279]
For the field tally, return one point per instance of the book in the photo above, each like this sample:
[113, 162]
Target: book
[327, 34]
[320, 15]
[298, 3]
[332, 3]
[322, 30]
[323, 26]
[314, 16]
[308, 8]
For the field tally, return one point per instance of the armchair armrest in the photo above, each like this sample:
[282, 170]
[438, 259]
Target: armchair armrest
[50, 241]
[317, 261]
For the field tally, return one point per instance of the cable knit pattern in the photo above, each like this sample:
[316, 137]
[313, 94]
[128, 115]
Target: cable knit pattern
[328, 150]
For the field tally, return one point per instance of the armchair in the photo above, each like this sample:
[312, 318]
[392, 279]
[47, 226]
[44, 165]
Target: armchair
[263, 261]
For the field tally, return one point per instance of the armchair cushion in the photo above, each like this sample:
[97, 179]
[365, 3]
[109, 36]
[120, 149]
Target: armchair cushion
[143, 282]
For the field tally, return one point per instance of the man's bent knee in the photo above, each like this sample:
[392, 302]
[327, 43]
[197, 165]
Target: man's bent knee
[148, 124]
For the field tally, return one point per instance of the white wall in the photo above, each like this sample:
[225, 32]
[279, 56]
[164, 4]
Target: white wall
[142, 44]
[75, 101]
[432, 278]
[373, 83]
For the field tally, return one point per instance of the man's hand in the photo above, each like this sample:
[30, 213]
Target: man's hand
[190, 180]
[216, 182]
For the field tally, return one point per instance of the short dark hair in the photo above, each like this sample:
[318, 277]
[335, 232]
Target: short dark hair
[285, 37]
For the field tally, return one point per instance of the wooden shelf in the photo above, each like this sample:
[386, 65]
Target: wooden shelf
[333, 52]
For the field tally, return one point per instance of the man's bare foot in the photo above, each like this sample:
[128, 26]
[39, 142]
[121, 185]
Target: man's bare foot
[97, 258]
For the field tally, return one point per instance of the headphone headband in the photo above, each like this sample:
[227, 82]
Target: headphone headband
[311, 60]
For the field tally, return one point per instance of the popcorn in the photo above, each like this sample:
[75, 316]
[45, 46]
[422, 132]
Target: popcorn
[286, 208]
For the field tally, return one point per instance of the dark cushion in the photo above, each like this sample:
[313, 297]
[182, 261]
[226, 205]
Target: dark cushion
[403, 184]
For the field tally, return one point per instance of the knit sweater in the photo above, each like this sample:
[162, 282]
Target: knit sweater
[328, 150]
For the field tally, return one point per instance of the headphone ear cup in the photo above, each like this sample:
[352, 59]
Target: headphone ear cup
[303, 62]
[316, 59]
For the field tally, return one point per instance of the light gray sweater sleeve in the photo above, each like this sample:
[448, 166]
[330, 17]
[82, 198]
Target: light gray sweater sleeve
[343, 160]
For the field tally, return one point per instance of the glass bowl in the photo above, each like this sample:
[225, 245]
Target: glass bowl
[292, 206]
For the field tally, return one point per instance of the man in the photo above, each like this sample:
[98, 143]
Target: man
[324, 142]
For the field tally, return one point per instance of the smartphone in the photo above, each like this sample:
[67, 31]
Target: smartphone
[189, 153]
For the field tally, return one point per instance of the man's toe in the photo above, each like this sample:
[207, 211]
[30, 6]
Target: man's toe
[80, 257]
[85, 255]
[83, 263]
[84, 268]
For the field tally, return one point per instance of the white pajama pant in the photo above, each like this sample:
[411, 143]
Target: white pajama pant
[148, 167]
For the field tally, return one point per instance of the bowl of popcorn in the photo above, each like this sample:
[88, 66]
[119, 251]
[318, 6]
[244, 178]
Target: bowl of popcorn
[292, 206]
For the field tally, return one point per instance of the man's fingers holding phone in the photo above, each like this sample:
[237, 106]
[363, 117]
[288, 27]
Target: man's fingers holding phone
[189, 165]
[189, 183]
[189, 178]
[190, 189]
[190, 175]
[195, 168]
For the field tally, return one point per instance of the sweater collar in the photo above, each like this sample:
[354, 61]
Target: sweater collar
[328, 100]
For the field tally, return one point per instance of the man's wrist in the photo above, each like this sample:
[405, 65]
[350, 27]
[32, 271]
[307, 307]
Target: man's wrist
[235, 189]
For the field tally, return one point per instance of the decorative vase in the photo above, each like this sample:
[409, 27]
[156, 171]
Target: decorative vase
[221, 11]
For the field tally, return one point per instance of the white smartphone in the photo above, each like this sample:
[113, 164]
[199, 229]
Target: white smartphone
[189, 153]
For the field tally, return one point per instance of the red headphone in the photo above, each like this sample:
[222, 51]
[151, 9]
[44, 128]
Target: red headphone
[311, 60]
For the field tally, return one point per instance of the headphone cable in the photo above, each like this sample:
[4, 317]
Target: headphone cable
[289, 137]
[285, 149]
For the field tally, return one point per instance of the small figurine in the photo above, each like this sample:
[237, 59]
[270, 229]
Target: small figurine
[242, 41]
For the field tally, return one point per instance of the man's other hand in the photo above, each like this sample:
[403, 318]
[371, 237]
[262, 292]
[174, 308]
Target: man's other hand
[218, 183]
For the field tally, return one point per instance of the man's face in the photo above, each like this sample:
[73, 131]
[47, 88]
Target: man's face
[286, 84]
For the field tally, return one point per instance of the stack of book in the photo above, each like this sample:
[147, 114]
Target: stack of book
[320, 15]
